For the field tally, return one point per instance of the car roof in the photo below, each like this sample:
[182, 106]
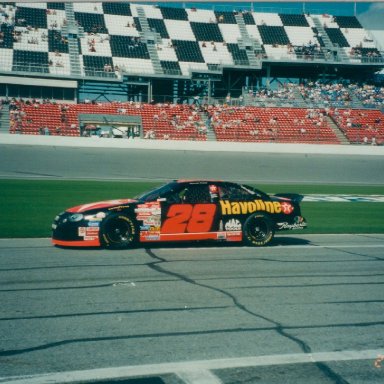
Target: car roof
[200, 181]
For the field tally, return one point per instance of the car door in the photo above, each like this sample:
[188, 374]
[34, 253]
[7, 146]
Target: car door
[190, 213]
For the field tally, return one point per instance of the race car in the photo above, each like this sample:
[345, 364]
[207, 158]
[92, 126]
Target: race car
[182, 210]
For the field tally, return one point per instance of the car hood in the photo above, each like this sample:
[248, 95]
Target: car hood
[100, 205]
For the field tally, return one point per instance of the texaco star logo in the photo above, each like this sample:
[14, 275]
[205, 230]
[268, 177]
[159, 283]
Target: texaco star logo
[286, 208]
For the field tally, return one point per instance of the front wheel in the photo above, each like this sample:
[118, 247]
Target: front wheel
[117, 232]
[258, 230]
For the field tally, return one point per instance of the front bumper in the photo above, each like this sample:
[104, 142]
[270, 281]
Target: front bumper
[66, 233]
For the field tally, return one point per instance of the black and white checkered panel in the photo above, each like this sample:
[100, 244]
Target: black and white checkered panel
[31, 39]
[123, 44]
[355, 35]
[275, 31]
[178, 50]
[191, 39]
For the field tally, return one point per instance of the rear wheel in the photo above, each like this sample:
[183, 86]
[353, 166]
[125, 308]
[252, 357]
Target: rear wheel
[117, 232]
[258, 230]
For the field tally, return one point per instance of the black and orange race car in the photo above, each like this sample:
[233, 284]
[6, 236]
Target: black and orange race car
[183, 210]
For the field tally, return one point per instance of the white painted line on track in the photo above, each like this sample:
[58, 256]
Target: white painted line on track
[343, 198]
[306, 246]
[198, 377]
[193, 368]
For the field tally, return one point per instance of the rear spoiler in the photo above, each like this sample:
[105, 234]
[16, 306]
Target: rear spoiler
[294, 197]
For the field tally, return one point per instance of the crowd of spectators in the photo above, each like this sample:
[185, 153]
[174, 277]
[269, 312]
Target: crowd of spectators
[284, 92]
[371, 96]
[331, 94]
[170, 120]
[323, 94]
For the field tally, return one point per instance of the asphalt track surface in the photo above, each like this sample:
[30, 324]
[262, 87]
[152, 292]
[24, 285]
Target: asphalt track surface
[308, 309]
[55, 162]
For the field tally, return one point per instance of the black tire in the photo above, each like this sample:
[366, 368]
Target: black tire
[258, 230]
[118, 232]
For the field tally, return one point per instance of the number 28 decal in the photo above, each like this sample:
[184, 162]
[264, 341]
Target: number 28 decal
[189, 218]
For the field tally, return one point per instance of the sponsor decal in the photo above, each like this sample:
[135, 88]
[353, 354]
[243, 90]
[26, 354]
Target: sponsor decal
[81, 231]
[234, 236]
[247, 207]
[93, 223]
[90, 238]
[152, 220]
[144, 228]
[233, 225]
[221, 235]
[291, 226]
[213, 189]
[88, 231]
[286, 208]
[149, 214]
[298, 223]
[152, 237]
[118, 208]
[144, 215]
[149, 208]
[97, 217]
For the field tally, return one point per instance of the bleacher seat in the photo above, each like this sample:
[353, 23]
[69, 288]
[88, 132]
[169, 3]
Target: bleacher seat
[292, 20]
[91, 22]
[56, 42]
[239, 55]
[124, 46]
[336, 37]
[29, 61]
[225, 17]
[358, 124]
[188, 51]
[207, 32]
[347, 22]
[158, 26]
[121, 9]
[248, 18]
[273, 35]
[170, 13]
[283, 125]
[35, 17]
[56, 6]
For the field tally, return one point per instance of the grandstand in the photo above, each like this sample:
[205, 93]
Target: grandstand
[174, 73]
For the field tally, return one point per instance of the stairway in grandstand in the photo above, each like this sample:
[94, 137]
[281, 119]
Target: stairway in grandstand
[211, 135]
[4, 119]
[151, 37]
[327, 45]
[249, 45]
[339, 134]
[71, 30]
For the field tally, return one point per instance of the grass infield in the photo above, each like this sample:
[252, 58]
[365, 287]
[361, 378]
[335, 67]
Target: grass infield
[28, 206]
